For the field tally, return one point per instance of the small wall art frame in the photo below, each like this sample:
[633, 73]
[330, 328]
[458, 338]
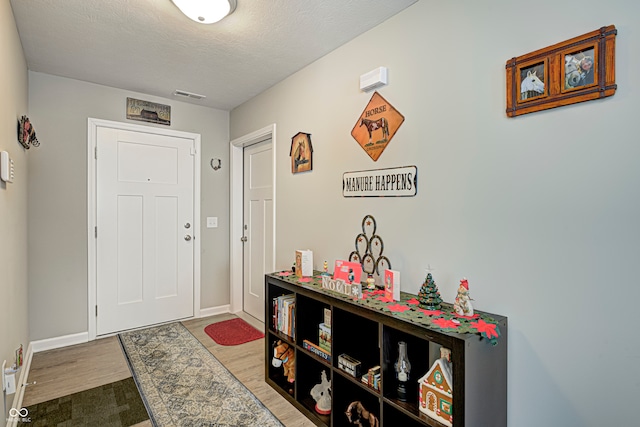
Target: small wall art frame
[147, 111]
[301, 153]
[576, 70]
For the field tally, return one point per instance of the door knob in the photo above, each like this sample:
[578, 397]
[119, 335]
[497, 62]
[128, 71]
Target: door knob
[187, 237]
[187, 225]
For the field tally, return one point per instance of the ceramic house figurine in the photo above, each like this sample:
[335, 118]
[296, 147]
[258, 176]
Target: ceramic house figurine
[321, 393]
[435, 390]
[462, 305]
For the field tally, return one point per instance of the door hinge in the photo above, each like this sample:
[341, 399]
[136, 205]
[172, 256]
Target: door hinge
[96, 310]
[95, 153]
[96, 231]
[193, 151]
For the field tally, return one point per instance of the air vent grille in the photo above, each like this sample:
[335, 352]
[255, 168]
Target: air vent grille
[188, 94]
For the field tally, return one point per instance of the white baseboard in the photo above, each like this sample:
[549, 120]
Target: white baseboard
[20, 386]
[57, 342]
[212, 311]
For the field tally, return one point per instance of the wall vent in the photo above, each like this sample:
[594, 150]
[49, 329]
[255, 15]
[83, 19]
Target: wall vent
[188, 94]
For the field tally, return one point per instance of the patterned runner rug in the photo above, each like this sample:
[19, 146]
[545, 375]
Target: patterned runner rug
[183, 384]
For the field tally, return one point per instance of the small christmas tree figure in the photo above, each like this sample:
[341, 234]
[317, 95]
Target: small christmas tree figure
[429, 295]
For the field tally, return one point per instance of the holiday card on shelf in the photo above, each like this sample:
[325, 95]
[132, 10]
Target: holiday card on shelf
[392, 284]
[350, 272]
[327, 317]
[304, 263]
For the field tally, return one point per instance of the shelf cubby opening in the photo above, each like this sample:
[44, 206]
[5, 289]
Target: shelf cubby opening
[311, 314]
[345, 393]
[312, 376]
[277, 374]
[358, 338]
[420, 354]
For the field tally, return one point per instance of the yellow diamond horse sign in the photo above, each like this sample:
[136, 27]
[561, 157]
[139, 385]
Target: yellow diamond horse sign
[376, 126]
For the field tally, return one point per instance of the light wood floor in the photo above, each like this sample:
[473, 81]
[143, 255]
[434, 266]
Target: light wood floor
[80, 367]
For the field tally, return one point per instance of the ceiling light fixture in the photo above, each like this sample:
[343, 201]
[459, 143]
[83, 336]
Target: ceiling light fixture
[206, 11]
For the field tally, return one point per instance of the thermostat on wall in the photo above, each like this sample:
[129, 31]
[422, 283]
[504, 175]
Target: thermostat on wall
[7, 171]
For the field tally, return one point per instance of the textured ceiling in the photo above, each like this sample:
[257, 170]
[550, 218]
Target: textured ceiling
[148, 46]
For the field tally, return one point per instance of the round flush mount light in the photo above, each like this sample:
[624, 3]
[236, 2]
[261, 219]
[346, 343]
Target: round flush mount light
[206, 11]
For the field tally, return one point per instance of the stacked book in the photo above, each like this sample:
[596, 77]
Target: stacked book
[317, 350]
[284, 310]
[372, 378]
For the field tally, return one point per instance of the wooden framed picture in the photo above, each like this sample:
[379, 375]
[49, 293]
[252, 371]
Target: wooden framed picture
[576, 70]
[301, 153]
[147, 111]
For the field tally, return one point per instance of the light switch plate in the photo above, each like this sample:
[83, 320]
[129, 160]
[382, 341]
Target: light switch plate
[7, 171]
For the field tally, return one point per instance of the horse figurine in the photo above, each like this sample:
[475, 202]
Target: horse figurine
[359, 416]
[283, 355]
[321, 393]
[531, 86]
[372, 125]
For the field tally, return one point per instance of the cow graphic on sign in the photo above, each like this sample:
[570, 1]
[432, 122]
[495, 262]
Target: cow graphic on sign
[376, 126]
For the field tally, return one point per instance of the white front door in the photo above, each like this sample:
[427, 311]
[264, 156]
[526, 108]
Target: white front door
[144, 217]
[258, 225]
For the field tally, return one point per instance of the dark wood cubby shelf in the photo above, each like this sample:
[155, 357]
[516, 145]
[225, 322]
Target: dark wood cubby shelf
[371, 336]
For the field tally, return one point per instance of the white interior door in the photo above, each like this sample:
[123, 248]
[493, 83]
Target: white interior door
[145, 256]
[258, 225]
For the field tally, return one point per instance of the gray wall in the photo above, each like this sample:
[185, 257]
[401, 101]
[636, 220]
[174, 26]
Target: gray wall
[13, 196]
[539, 212]
[58, 197]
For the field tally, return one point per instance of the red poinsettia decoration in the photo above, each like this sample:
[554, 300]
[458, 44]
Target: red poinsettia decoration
[304, 280]
[475, 316]
[385, 299]
[486, 329]
[398, 308]
[284, 273]
[413, 301]
[445, 323]
[431, 312]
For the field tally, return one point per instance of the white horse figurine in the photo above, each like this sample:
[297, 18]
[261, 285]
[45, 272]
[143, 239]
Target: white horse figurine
[531, 85]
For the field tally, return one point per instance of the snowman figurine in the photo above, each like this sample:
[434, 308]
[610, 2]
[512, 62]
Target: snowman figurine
[462, 305]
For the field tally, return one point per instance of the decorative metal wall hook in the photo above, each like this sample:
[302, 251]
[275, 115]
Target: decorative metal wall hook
[216, 164]
[26, 133]
[369, 249]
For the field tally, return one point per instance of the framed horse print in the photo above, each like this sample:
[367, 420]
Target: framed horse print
[532, 81]
[301, 153]
[376, 126]
[576, 70]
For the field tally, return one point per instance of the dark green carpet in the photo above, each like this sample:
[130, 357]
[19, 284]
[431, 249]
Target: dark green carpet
[117, 404]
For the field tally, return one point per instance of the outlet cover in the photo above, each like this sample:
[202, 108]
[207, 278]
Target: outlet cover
[212, 222]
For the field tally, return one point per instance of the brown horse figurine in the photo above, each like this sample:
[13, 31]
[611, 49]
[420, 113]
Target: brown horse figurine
[284, 355]
[358, 415]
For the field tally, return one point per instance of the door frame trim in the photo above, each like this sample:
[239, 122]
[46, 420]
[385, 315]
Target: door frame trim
[237, 208]
[92, 136]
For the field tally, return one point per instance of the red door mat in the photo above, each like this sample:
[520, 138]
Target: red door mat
[232, 332]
